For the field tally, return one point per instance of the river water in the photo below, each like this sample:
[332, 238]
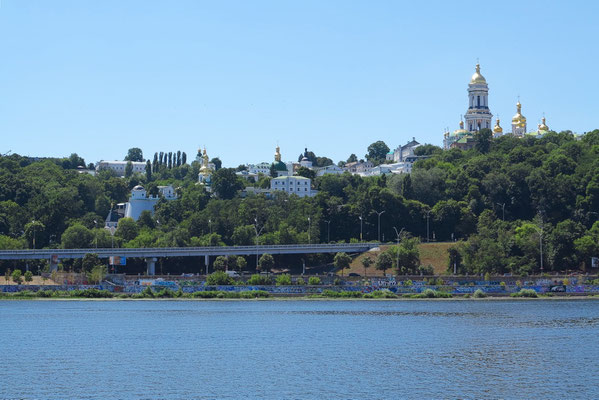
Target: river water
[299, 349]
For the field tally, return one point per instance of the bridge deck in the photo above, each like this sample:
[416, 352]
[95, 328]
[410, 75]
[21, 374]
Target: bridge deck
[187, 251]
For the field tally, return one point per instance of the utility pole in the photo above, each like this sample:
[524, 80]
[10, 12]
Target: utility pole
[328, 231]
[379, 223]
[309, 228]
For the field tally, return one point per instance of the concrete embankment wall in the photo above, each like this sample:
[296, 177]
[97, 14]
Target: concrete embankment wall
[295, 290]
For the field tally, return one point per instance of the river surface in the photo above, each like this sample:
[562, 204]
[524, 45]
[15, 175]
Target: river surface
[299, 349]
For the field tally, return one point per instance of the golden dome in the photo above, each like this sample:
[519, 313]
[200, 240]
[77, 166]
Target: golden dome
[497, 128]
[477, 77]
[519, 119]
[278, 154]
[461, 131]
[543, 126]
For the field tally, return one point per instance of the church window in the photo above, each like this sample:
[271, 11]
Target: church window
[478, 101]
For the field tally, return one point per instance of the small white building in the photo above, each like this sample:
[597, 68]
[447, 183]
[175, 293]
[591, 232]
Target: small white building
[297, 185]
[329, 170]
[119, 166]
[402, 152]
[141, 201]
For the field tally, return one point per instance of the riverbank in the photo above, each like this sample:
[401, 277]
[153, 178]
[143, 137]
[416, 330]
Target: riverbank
[94, 294]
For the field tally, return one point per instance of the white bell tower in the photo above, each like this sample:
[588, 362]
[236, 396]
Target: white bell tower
[478, 115]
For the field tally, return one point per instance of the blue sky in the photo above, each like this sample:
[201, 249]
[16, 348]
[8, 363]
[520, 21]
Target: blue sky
[99, 77]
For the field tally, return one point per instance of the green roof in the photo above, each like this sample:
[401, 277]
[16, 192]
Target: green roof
[279, 166]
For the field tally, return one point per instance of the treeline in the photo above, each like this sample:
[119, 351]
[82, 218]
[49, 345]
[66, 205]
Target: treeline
[499, 202]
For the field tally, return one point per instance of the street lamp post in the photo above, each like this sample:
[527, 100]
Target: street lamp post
[379, 223]
[540, 232]
[502, 210]
[428, 213]
[258, 232]
[96, 232]
[328, 231]
[360, 228]
[398, 239]
[309, 228]
[210, 225]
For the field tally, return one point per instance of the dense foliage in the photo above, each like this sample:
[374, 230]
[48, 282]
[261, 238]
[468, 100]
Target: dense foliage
[499, 201]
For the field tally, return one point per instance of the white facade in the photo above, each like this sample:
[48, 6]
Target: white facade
[402, 152]
[297, 185]
[119, 166]
[141, 201]
[262, 168]
[330, 169]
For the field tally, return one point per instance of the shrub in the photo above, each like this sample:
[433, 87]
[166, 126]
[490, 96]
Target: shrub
[284, 280]
[314, 280]
[341, 294]
[337, 282]
[408, 283]
[381, 294]
[300, 281]
[219, 278]
[479, 294]
[147, 293]
[502, 284]
[91, 294]
[566, 281]
[467, 296]
[525, 293]
[165, 293]
[258, 279]
[433, 294]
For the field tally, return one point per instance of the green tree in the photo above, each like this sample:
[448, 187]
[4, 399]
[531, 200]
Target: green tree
[128, 169]
[34, 231]
[241, 263]
[7, 275]
[220, 264]
[17, 276]
[134, 154]
[351, 158]
[225, 184]
[483, 140]
[77, 236]
[217, 163]
[127, 229]
[266, 262]
[148, 171]
[97, 273]
[377, 152]
[28, 276]
[89, 261]
[342, 261]
[366, 263]
[306, 173]
[383, 262]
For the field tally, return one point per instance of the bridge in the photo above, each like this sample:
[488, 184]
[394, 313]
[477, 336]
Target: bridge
[151, 254]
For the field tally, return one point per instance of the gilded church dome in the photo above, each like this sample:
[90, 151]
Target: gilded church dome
[497, 128]
[519, 119]
[477, 77]
[543, 126]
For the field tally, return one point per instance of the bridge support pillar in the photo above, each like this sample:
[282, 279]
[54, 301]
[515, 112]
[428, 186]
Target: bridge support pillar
[151, 263]
[207, 262]
[53, 263]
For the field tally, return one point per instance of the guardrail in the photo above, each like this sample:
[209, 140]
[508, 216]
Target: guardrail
[187, 251]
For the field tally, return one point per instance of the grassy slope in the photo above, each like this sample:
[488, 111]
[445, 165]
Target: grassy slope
[434, 254]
